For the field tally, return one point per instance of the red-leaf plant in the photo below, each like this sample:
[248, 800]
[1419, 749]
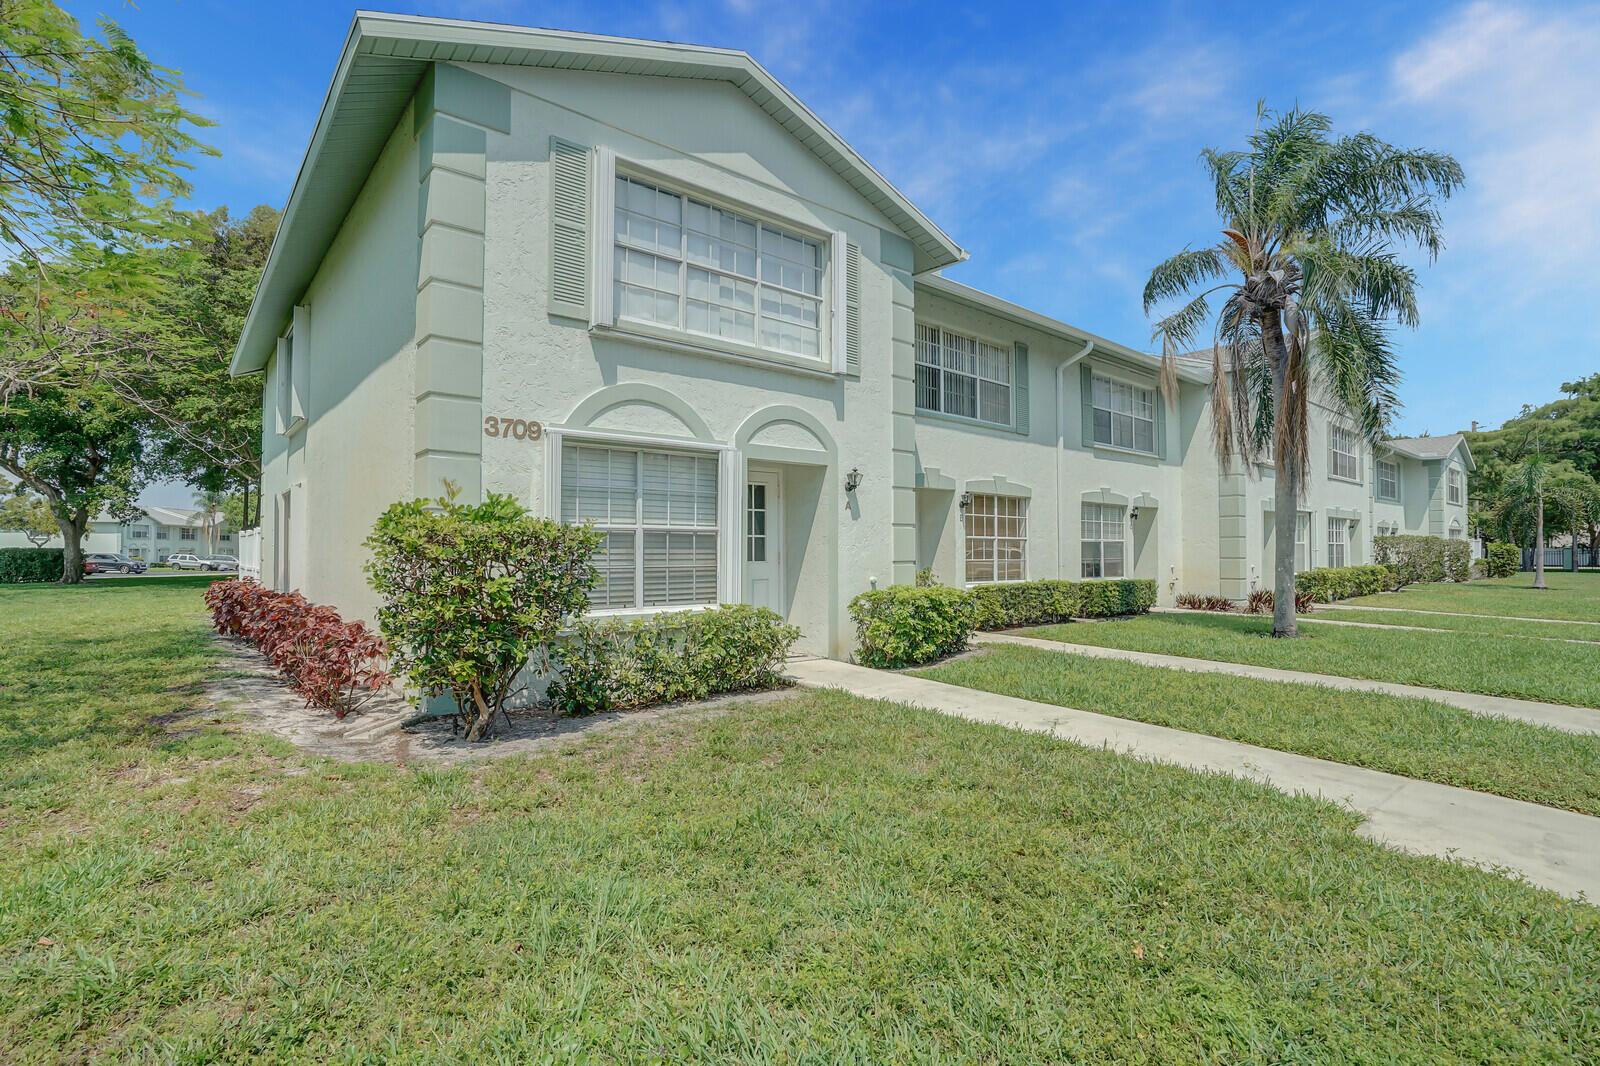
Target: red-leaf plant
[336, 665]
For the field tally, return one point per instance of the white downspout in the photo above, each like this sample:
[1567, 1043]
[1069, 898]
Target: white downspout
[1061, 447]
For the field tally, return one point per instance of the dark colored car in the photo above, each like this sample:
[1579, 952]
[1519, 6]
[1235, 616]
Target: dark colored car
[112, 563]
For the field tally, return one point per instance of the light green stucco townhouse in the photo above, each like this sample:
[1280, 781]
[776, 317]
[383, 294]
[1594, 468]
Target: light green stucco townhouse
[642, 284]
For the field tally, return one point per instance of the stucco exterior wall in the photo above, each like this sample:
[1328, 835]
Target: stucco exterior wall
[352, 458]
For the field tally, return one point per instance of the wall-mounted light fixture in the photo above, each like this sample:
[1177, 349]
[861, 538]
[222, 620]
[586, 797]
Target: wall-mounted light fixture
[852, 481]
[966, 500]
[1133, 514]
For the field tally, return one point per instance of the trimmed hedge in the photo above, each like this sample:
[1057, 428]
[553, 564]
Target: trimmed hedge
[30, 564]
[906, 625]
[1023, 603]
[1417, 558]
[1328, 583]
[616, 664]
[1115, 596]
[1502, 560]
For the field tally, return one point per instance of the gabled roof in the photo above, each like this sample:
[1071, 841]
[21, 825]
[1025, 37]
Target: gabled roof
[384, 59]
[1433, 447]
[1188, 369]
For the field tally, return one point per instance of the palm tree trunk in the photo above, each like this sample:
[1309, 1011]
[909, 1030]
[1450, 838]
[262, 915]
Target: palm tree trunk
[1538, 549]
[1286, 488]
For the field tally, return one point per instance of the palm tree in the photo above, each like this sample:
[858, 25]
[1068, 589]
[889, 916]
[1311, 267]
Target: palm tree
[209, 502]
[1310, 284]
[1524, 490]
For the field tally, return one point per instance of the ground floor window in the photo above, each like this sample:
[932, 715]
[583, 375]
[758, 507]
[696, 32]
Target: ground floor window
[658, 511]
[1455, 530]
[1339, 541]
[1302, 541]
[1104, 540]
[997, 538]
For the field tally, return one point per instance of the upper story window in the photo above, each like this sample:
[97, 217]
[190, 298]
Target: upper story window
[1344, 454]
[960, 375]
[1452, 485]
[690, 265]
[996, 530]
[658, 511]
[1388, 480]
[1124, 415]
[186, 533]
[139, 532]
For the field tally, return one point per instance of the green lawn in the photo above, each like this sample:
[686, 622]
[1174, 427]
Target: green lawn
[1418, 738]
[819, 879]
[1572, 597]
[1466, 662]
[1466, 623]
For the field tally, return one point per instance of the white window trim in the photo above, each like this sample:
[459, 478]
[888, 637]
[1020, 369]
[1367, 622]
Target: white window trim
[1026, 538]
[730, 494]
[1355, 454]
[1127, 531]
[1377, 480]
[1460, 486]
[830, 361]
[1113, 374]
[1011, 353]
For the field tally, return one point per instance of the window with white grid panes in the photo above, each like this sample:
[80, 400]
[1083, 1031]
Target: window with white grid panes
[658, 511]
[996, 538]
[1105, 540]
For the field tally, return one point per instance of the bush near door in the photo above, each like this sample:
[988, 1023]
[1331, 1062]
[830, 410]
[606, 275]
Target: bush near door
[617, 664]
[1416, 559]
[1023, 603]
[1328, 583]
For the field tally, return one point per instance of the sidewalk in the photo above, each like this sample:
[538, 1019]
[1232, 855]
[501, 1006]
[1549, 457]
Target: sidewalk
[1554, 849]
[1554, 715]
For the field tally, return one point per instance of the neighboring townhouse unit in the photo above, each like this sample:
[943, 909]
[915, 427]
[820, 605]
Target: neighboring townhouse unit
[642, 285]
[152, 534]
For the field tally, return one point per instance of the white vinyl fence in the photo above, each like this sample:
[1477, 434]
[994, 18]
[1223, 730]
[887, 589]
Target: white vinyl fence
[250, 554]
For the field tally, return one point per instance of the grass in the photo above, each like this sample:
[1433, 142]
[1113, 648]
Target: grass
[1417, 738]
[1466, 623]
[818, 879]
[1573, 597]
[1463, 662]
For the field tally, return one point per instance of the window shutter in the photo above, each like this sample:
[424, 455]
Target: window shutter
[569, 229]
[852, 310]
[1086, 378]
[1019, 385]
[1161, 425]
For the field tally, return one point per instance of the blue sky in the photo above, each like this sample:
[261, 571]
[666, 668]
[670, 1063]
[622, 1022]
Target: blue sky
[1058, 144]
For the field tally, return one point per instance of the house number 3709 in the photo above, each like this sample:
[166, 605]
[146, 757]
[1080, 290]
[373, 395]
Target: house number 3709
[515, 428]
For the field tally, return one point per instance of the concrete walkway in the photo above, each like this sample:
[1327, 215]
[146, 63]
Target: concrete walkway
[1554, 849]
[1554, 715]
[1452, 614]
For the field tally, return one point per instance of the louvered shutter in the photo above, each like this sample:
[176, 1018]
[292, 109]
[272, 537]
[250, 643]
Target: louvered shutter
[1086, 389]
[1019, 385]
[569, 229]
[852, 310]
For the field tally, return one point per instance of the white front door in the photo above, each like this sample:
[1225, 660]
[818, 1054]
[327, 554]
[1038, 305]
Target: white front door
[763, 541]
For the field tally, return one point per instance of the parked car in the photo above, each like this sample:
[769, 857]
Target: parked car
[186, 561]
[112, 563]
[219, 562]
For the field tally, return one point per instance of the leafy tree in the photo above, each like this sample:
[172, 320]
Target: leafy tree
[1568, 428]
[92, 160]
[1310, 285]
[26, 514]
[78, 447]
[207, 425]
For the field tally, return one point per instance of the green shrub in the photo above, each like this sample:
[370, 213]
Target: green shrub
[1416, 558]
[470, 593]
[1022, 603]
[1115, 596]
[29, 564]
[904, 625]
[615, 664]
[1502, 560]
[1328, 583]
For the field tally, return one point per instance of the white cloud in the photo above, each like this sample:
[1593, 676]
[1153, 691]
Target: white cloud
[1521, 89]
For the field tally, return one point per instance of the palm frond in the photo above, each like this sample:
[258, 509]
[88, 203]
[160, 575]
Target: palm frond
[1182, 272]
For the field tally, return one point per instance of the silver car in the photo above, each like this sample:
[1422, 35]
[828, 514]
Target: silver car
[219, 562]
[186, 561]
